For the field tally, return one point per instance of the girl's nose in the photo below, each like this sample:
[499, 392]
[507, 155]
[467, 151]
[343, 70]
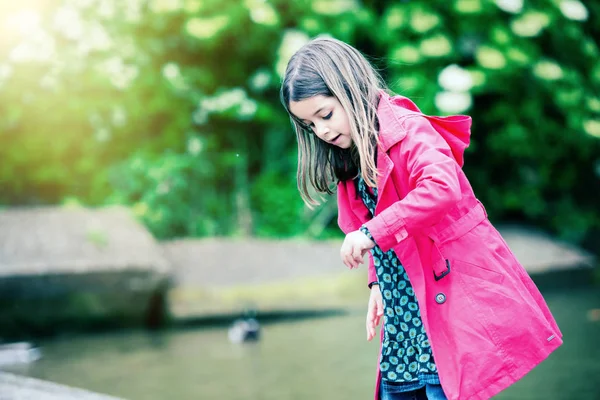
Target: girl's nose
[321, 130]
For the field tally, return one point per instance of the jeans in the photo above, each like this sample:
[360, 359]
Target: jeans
[429, 391]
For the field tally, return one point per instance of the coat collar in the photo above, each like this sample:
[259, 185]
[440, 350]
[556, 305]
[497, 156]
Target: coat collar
[389, 112]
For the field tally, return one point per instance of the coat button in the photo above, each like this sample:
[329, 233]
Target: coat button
[440, 298]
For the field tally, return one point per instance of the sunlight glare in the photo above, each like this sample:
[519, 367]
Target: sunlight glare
[23, 21]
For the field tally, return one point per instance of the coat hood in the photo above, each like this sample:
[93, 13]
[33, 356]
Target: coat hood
[393, 110]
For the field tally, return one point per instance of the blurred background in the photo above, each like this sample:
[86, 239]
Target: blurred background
[148, 193]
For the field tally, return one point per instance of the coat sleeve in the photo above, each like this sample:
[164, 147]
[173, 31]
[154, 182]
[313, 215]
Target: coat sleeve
[349, 222]
[433, 177]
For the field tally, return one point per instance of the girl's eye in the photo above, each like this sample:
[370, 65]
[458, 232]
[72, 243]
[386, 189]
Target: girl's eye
[328, 115]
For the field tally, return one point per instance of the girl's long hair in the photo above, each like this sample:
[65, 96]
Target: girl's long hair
[329, 67]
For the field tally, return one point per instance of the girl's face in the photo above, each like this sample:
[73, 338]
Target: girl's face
[326, 117]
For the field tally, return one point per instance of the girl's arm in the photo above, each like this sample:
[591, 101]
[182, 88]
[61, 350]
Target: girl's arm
[433, 175]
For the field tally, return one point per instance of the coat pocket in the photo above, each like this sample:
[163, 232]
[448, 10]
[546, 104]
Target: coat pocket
[477, 271]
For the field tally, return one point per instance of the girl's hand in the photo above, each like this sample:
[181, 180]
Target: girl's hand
[374, 311]
[355, 245]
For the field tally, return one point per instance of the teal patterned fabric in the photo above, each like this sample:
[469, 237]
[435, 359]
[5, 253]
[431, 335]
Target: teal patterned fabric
[406, 353]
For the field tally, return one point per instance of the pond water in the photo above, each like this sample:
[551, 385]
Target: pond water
[310, 358]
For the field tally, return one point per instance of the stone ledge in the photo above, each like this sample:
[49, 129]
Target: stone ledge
[539, 253]
[74, 240]
[214, 277]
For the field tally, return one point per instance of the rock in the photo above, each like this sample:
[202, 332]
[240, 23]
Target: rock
[244, 330]
[15, 387]
[18, 353]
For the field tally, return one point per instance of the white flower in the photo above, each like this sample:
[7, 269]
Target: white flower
[510, 6]
[453, 102]
[98, 38]
[455, 79]
[221, 103]
[194, 146]
[133, 10]
[262, 12]
[163, 188]
[334, 7]
[530, 24]
[119, 116]
[119, 73]
[68, 22]
[435, 46]
[235, 95]
[94, 38]
[200, 116]
[548, 70]
[234, 99]
[165, 6]
[574, 9]
[39, 46]
[247, 109]
[292, 41]
[592, 127]
[206, 28]
[102, 135]
[171, 71]
[106, 9]
[49, 82]
[260, 80]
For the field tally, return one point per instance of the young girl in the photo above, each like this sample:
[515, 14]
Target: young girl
[461, 317]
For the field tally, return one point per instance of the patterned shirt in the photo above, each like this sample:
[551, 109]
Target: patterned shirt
[406, 355]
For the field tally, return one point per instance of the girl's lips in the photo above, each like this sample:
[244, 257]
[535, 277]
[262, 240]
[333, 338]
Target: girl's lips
[335, 138]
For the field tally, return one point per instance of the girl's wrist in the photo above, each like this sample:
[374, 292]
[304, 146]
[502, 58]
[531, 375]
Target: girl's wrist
[366, 231]
[372, 284]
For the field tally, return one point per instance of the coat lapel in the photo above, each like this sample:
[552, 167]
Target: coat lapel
[385, 167]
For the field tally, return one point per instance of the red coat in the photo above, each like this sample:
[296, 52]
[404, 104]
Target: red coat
[486, 320]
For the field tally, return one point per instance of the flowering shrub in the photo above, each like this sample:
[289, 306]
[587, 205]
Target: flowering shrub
[171, 106]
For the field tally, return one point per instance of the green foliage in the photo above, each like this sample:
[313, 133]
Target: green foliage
[171, 106]
[175, 194]
[277, 206]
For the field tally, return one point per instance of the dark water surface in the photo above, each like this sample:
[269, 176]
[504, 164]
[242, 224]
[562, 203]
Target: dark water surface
[320, 358]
